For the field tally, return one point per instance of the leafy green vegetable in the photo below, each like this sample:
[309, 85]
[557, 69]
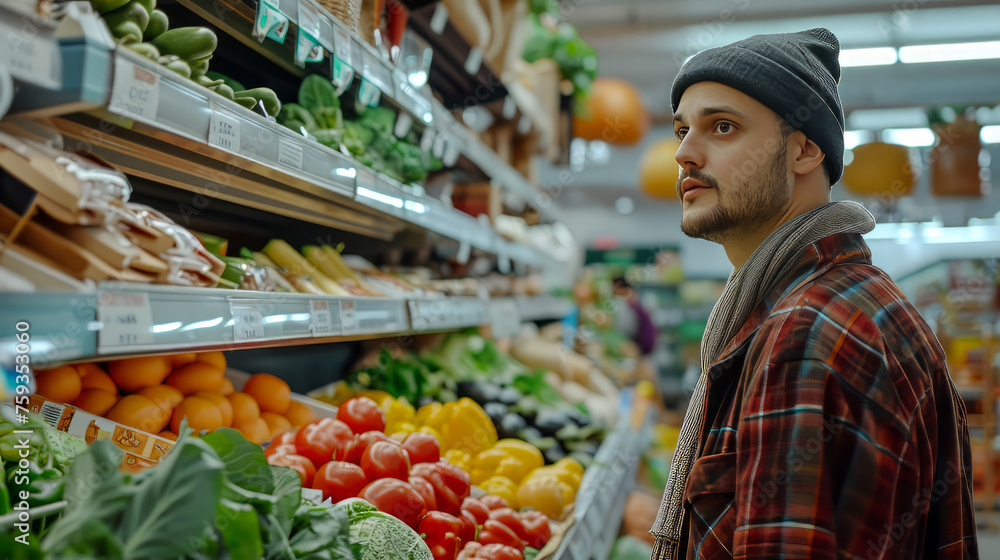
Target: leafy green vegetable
[535, 385]
[357, 137]
[287, 494]
[576, 59]
[295, 117]
[328, 137]
[316, 92]
[329, 117]
[321, 532]
[244, 461]
[240, 529]
[375, 535]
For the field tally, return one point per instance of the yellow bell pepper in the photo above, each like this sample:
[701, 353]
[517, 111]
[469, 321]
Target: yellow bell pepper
[467, 428]
[400, 411]
[545, 491]
[510, 458]
[569, 470]
[431, 432]
[503, 487]
[459, 458]
[400, 430]
[381, 398]
[432, 415]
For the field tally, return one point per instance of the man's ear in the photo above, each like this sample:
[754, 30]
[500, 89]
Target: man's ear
[807, 155]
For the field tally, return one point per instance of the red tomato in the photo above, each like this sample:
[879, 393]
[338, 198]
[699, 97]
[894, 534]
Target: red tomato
[361, 414]
[426, 491]
[512, 520]
[305, 467]
[280, 449]
[469, 525]
[493, 502]
[339, 480]
[385, 460]
[397, 498]
[495, 532]
[477, 509]
[361, 442]
[322, 440]
[423, 448]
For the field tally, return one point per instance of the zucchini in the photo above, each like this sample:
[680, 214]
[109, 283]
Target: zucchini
[146, 49]
[207, 82]
[105, 6]
[199, 67]
[158, 23]
[266, 96]
[127, 33]
[189, 43]
[175, 63]
[150, 5]
[131, 12]
[247, 102]
[224, 91]
[228, 81]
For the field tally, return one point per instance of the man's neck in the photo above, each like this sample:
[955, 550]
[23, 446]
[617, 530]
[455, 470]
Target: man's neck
[741, 244]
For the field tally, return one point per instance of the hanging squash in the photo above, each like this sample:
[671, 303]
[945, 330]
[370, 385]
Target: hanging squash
[658, 170]
[955, 169]
[613, 112]
[880, 169]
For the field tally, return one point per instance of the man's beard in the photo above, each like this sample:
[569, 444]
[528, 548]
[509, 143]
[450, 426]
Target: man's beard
[760, 198]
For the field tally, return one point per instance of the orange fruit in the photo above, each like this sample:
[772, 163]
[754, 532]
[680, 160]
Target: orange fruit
[167, 434]
[276, 423]
[217, 359]
[255, 430]
[299, 414]
[133, 374]
[87, 368]
[164, 395]
[96, 401]
[272, 393]
[95, 378]
[196, 377]
[227, 387]
[201, 414]
[61, 384]
[222, 403]
[178, 360]
[139, 412]
[245, 408]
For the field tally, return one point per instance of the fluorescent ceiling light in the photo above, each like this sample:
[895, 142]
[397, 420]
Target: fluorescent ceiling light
[949, 52]
[990, 134]
[854, 138]
[877, 56]
[625, 205]
[912, 137]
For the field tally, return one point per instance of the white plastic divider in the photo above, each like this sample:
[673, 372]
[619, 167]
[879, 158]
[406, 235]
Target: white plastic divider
[29, 50]
[446, 313]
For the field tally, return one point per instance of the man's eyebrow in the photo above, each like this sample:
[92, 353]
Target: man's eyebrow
[707, 111]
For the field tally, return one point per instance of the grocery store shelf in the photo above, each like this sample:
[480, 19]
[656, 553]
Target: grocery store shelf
[123, 319]
[600, 502]
[542, 307]
[236, 18]
[154, 124]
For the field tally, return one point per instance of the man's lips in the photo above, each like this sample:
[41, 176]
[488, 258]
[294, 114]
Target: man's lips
[690, 184]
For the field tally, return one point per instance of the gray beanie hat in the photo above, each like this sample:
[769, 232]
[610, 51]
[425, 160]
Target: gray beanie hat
[793, 74]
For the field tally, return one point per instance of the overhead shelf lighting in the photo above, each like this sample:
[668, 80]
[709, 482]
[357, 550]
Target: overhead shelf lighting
[949, 52]
[876, 56]
[990, 134]
[912, 137]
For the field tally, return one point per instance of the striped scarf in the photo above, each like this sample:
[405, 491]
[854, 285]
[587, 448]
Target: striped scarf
[746, 288]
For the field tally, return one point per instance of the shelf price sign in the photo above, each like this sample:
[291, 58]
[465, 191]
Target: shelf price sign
[126, 321]
[248, 321]
[135, 91]
[320, 319]
[348, 322]
[224, 130]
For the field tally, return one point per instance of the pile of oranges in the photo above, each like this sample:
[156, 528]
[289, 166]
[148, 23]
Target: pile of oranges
[154, 393]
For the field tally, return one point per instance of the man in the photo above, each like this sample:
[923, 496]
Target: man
[824, 424]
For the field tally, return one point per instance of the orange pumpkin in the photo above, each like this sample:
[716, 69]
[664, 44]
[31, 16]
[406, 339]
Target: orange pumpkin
[613, 112]
[880, 169]
[658, 170]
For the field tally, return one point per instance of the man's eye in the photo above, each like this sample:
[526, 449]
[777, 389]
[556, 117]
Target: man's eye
[680, 133]
[724, 127]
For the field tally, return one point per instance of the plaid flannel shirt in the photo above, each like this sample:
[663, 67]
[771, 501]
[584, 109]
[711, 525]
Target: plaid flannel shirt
[832, 427]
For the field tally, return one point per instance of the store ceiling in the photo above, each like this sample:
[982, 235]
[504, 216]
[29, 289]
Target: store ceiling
[645, 42]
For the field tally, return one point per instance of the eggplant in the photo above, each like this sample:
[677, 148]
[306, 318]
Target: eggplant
[511, 425]
[496, 411]
[510, 396]
[549, 421]
[480, 391]
[577, 416]
[529, 434]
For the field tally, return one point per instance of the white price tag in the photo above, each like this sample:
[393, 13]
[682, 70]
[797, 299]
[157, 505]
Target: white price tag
[417, 320]
[248, 322]
[126, 320]
[320, 320]
[348, 323]
[26, 54]
[342, 45]
[504, 317]
[289, 153]
[224, 130]
[135, 91]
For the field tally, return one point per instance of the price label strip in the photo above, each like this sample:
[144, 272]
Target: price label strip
[126, 321]
[342, 70]
[135, 91]
[348, 321]
[290, 153]
[308, 47]
[270, 23]
[28, 56]
[248, 321]
[369, 93]
[376, 73]
[224, 130]
[320, 319]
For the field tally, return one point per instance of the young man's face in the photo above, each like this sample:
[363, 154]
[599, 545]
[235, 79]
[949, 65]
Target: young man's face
[734, 176]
